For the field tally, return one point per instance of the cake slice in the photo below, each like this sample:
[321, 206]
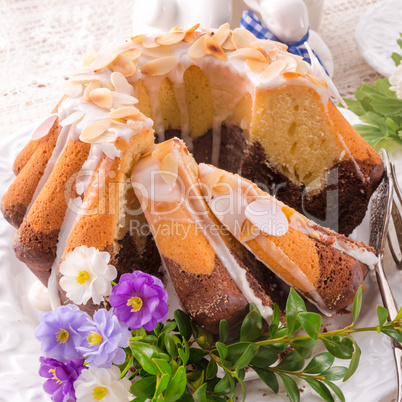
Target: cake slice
[327, 268]
[206, 265]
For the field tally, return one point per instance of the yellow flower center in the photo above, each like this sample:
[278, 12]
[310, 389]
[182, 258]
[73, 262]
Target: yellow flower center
[54, 376]
[99, 393]
[135, 302]
[94, 338]
[82, 277]
[62, 336]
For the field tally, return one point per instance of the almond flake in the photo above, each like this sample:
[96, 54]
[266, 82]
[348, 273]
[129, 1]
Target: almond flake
[102, 97]
[256, 66]
[159, 66]
[291, 63]
[273, 69]
[192, 29]
[89, 56]
[71, 89]
[221, 188]
[212, 48]
[82, 78]
[124, 65]
[122, 99]
[103, 59]
[138, 38]
[94, 130]
[124, 111]
[120, 83]
[162, 149]
[149, 41]
[288, 75]
[170, 38]
[228, 44]
[248, 231]
[132, 54]
[222, 34]
[213, 178]
[197, 49]
[89, 88]
[302, 67]
[249, 53]
[169, 168]
[72, 118]
[317, 81]
[107, 136]
[242, 38]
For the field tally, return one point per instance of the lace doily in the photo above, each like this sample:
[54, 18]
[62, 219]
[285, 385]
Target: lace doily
[40, 40]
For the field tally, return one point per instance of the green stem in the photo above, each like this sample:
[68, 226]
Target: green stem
[128, 365]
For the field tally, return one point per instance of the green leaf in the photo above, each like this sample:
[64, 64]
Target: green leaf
[223, 385]
[144, 388]
[163, 366]
[311, 323]
[248, 355]
[201, 394]
[269, 378]
[340, 346]
[183, 323]
[265, 357]
[204, 339]
[275, 319]
[357, 305]
[170, 345]
[291, 362]
[354, 361]
[337, 391]
[321, 362]
[161, 384]
[251, 327]
[222, 350]
[294, 305]
[223, 331]
[196, 354]
[186, 398]
[393, 333]
[183, 356]
[382, 314]
[291, 387]
[304, 347]
[320, 388]
[397, 58]
[212, 369]
[196, 378]
[144, 353]
[177, 385]
[169, 327]
[335, 373]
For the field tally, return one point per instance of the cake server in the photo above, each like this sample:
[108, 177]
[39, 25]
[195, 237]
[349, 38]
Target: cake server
[395, 223]
[380, 212]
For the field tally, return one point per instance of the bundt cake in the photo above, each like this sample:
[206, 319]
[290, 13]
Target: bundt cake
[242, 104]
[327, 268]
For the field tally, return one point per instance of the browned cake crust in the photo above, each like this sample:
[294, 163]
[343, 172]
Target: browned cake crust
[340, 277]
[19, 195]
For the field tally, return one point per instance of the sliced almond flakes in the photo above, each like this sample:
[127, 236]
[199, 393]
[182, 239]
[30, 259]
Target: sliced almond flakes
[159, 66]
[72, 118]
[212, 48]
[249, 53]
[123, 65]
[94, 130]
[169, 168]
[170, 38]
[102, 97]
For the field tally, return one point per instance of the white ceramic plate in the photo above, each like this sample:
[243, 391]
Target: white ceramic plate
[374, 381]
[377, 33]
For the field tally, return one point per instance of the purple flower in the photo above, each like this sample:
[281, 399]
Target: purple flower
[103, 340]
[139, 300]
[60, 378]
[58, 332]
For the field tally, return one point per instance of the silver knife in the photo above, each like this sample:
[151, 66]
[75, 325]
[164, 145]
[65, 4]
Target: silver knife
[381, 204]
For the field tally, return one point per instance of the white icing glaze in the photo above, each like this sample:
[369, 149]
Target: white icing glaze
[39, 296]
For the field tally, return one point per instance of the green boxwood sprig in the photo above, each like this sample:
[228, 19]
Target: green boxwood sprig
[181, 362]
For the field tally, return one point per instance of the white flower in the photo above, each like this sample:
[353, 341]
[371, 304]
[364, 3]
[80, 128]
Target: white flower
[396, 81]
[100, 384]
[87, 275]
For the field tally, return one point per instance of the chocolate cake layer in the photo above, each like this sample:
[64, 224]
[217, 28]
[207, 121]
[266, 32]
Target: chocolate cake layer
[208, 299]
